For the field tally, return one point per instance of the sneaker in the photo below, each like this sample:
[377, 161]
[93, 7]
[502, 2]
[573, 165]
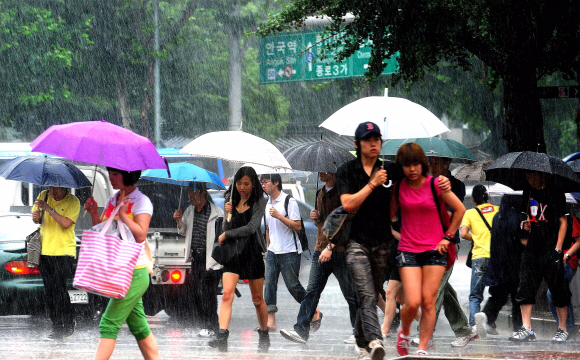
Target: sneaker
[402, 344]
[422, 353]
[483, 327]
[523, 335]
[206, 333]
[69, 330]
[55, 334]
[292, 336]
[461, 341]
[358, 350]
[415, 342]
[378, 351]
[560, 337]
[350, 340]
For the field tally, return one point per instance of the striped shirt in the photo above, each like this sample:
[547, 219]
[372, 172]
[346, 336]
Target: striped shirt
[199, 229]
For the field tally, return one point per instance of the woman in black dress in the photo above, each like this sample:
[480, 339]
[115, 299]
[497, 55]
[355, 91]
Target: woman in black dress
[246, 206]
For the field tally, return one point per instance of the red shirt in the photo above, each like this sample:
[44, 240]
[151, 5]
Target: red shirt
[573, 260]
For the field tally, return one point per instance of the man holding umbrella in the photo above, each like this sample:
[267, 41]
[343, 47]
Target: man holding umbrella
[198, 225]
[59, 210]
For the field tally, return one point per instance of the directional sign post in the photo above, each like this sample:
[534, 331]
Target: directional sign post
[559, 92]
[298, 56]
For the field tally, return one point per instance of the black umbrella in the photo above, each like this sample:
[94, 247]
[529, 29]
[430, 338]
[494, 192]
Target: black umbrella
[318, 156]
[42, 170]
[511, 169]
[575, 165]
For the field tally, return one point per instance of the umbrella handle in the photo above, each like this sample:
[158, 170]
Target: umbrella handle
[389, 184]
[229, 218]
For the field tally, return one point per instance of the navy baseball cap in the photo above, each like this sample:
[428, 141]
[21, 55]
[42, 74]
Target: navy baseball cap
[365, 129]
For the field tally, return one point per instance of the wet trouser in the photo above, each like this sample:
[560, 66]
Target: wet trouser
[55, 270]
[478, 270]
[367, 272]
[447, 298]
[319, 274]
[288, 265]
[570, 326]
[498, 298]
[205, 288]
[129, 309]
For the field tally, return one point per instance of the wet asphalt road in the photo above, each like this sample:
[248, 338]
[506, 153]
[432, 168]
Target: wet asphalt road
[22, 336]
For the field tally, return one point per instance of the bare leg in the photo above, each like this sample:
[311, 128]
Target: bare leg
[380, 302]
[562, 314]
[393, 288]
[229, 282]
[272, 320]
[105, 349]
[527, 315]
[257, 291]
[431, 278]
[411, 278]
[148, 347]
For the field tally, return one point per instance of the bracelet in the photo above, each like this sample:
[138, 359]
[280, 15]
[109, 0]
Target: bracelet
[371, 186]
[449, 235]
[51, 211]
[559, 251]
[567, 255]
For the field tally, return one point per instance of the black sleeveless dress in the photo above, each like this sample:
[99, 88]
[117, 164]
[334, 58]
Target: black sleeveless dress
[250, 265]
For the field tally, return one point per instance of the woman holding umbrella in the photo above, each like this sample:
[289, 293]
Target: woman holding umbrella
[136, 213]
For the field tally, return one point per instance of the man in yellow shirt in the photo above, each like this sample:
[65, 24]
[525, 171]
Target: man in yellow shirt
[476, 227]
[57, 256]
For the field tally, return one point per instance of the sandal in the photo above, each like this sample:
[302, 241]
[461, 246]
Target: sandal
[270, 329]
[315, 324]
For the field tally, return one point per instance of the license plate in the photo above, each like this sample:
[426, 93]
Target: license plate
[78, 297]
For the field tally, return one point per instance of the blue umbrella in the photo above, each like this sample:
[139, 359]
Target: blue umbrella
[182, 174]
[42, 170]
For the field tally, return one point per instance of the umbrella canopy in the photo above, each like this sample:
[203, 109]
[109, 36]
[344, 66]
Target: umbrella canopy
[100, 143]
[575, 165]
[511, 170]
[471, 172]
[318, 156]
[433, 146]
[42, 170]
[182, 174]
[237, 146]
[398, 118]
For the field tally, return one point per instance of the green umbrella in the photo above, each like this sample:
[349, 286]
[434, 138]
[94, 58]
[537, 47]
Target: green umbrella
[433, 147]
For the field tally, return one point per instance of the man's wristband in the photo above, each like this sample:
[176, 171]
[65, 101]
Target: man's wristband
[559, 251]
[567, 255]
[52, 212]
[328, 247]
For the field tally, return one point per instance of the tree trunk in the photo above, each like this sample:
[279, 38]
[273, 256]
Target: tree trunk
[147, 101]
[123, 103]
[524, 128]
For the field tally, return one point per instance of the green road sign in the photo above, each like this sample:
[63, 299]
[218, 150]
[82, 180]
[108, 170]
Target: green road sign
[298, 56]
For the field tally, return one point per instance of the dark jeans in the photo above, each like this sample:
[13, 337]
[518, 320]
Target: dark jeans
[499, 294]
[289, 266]
[205, 288]
[55, 270]
[367, 272]
[319, 274]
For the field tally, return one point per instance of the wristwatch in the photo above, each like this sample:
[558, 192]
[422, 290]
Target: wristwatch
[52, 212]
[559, 251]
[328, 247]
[567, 255]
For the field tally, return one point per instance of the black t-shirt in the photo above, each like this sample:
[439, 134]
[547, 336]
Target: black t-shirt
[545, 208]
[372, 224]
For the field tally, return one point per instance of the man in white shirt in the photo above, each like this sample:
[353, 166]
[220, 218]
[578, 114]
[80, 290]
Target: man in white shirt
[284, 248]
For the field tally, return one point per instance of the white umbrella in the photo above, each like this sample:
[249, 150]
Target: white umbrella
[237, 146]
[398, 118]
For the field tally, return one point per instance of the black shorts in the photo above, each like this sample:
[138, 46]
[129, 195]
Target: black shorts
[427, 258]
[533, 269]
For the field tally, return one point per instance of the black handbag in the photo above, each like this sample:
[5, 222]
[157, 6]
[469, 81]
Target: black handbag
[232, 249]
[337, 226]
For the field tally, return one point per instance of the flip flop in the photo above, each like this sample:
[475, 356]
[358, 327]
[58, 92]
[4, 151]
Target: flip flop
[270, 329]
[315, 324]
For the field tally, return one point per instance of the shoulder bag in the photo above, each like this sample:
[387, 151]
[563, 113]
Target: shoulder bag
[33, 244]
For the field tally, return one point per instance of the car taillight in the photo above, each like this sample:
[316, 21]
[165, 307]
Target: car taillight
[176, 276]
[21, 268]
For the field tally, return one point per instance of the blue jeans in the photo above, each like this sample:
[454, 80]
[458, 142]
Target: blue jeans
[319, 274]
[289, 266]
[478, 270]
[570, 326]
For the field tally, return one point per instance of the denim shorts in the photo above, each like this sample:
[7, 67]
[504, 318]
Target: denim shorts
[427, 258]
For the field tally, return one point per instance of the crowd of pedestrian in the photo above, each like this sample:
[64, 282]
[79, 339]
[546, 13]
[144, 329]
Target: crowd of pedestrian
[408, 219]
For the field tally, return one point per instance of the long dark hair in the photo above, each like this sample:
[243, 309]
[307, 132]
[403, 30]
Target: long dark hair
[257, 191]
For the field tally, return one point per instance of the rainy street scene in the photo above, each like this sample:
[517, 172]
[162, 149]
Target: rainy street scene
[300, 179]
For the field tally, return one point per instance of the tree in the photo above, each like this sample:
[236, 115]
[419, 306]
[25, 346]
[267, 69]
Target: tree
[520, 42]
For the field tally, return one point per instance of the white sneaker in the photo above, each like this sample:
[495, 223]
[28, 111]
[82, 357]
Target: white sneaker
[415, 342]
[206, 333]
[483, 327]
[464, 340]
[292, 336]
[350, 340]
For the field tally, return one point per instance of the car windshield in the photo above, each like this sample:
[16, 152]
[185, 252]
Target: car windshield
[16, 227]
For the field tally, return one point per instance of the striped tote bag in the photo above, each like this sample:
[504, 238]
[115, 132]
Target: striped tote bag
[106, 262]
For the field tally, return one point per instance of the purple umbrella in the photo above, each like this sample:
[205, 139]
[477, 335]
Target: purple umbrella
[100, 143]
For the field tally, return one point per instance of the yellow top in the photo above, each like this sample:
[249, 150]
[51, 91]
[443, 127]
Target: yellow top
[57, 241]
[479, 232]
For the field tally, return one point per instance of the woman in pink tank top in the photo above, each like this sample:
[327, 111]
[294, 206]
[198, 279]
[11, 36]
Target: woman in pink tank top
[423, 246]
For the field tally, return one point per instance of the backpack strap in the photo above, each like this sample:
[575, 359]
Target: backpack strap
[483, 218]
[437, 203]
[286, 201]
